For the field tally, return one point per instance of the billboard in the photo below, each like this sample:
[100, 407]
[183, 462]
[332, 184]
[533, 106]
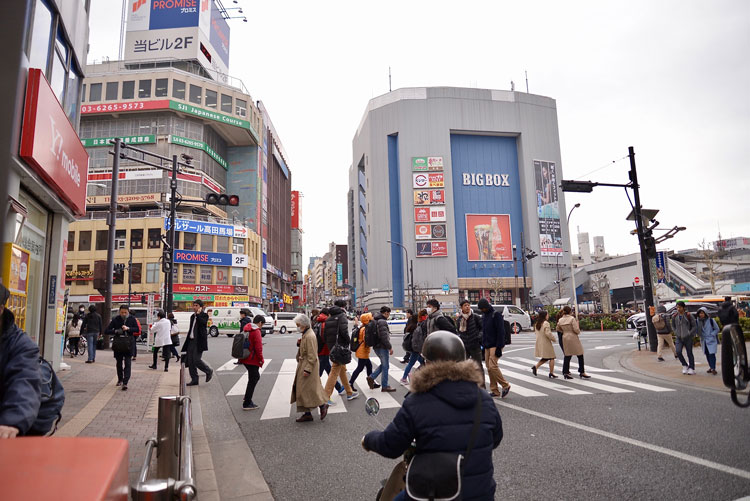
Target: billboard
[295, 209]
[488, 237]
[550, 233]
[342, 265]
[165, 14]
[661, 267]
[429, 197]
[432, 249]
[219, 35]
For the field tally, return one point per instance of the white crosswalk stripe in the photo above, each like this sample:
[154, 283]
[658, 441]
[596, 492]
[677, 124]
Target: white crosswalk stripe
[241, 384]
[559, 363]
[385, 399]
[278, 405]
[228, 366]
[585, 382]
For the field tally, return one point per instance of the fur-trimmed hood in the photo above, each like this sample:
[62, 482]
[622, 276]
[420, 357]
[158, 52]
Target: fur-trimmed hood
[434, 373]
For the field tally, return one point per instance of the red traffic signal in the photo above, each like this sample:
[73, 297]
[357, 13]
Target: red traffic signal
[222, 199]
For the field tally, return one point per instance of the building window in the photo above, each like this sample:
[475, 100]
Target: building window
[226, 103]
[84, 241]
[71, 241]
[95, 92]
[207, 243]
[102, 237]
[188, 273]
[110, 93]
[119, 239]
[135, 273]
[128, 89]
[189, 241]
[119, 277]
[160, 89]
[222, 274]
[152, 273]
[178, 89]
[241, 109]
[154, 238]
[195, 94]
[41, 31]
[238, 276]
[238, 247]
[144, 88]
[59, 67]
[211, 98]
[83, 93]
[206, 274]
[136, 239]
[222, 244]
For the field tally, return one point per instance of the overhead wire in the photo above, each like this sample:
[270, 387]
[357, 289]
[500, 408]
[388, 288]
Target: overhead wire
[608, 164]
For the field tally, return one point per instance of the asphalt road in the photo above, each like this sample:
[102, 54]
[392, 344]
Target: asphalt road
[629, 437]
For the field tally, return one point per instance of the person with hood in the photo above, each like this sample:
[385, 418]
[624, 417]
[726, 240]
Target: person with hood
[20, 380]
[728, 314]
[685, 329]
[363, 351]
[708, 330]
[568, 325]
[162, 330]
[383, 350]
[493, 340]
[439, 416]
[73, 333]
[307, 392]
[324, 353]
[196, 342]
[336, 332]
[92, 327]
[663, 332]
[470, 332]
[254, 361]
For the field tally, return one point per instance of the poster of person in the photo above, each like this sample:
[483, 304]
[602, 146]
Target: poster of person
[488, 237]
[661, 267]
[550, 234]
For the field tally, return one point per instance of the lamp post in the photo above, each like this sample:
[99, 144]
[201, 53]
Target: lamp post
[410, 272]
[515, 267]
[572, 271]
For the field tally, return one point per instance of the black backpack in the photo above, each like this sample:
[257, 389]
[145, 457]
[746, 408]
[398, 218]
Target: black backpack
[53, 399]
[508, 332]
[371, 333]
[318, 336]
[406, 343]
[355, 342]
[121, 342]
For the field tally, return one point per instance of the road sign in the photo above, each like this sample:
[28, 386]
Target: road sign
[637, 280]
[281, 305]
[446, 287]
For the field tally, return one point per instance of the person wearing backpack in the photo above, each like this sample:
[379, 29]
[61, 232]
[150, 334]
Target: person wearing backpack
[411, 324]
[123, 327]
[708, 330]
[20, 381]
[436, 321]
[92, 328]
[663, 332]
[493, 340]
[418, 335]
[470, 332]
[254, 361]
[685, 329]
[73, 332]
[362, 351]
[336, 333]
[382, 346]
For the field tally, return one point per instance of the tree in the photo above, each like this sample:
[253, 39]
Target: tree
[709, 259]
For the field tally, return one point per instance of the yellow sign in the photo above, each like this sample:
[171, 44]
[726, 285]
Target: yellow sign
[287, 299]
[14, 273]
[230, 298]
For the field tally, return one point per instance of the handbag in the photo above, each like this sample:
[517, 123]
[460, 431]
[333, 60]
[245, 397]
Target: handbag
[341, 354]
[122, 343]
[436, 476]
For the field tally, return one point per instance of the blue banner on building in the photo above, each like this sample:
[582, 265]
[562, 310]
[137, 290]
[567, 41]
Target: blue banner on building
[198, 257]
[190, 226]
[174, 14]
[661, 267]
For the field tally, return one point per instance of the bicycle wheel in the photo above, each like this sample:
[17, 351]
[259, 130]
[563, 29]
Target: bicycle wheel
[82, 346]
[734, 366]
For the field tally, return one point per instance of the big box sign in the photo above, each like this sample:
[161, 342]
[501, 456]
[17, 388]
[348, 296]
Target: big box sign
[50, 145]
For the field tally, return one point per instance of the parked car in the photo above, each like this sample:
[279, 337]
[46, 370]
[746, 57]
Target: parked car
[638, 321]
[519, 320]
[284, 322]
[397, 322]
[268, 325]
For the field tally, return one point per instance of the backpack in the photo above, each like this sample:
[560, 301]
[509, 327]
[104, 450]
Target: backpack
[508, 331]
[318, 330]
[406, 343]
[121, 343]
[239, 351]
[659, 322]
[355, 342]
[53, 399]
[371, 333]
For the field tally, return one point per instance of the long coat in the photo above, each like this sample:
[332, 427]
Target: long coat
[544, 339]
[307, 391]
[571, 344]
[709, 333]
[199, 331]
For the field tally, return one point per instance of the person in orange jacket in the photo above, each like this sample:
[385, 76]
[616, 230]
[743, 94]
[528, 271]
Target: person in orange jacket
[254, 361]
[363, 351]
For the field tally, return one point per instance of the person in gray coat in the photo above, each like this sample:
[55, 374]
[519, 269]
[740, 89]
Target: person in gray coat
[383, 350]
[685, 329]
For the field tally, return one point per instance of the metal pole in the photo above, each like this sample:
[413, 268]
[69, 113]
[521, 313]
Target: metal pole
[523, 267]
[515, 266]
[130, 273]
[557, 265]
[645, 267]
[413, 295]
[112, 223]
[572, 270]
[172, 218]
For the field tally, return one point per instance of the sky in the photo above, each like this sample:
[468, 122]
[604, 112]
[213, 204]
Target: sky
[670, 78]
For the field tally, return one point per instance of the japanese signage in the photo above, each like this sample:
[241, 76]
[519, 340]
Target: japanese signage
[50, 145]
[121, 298]
[426, 163]
[428, 180]
[219, 36]
[210, 289]
[429, 197]
[550, 233]
[429, 214]
[79, 275]
[190, 226]
[209, 258]
[105, 141]
[342, 265]
[430, 231]
[146, 198]
[295, 209]
[211, 115]
[240, 232]
[429, 206]
[488, 237]
[15, 271]
[432, 249]
[129, 175]
[199, 145]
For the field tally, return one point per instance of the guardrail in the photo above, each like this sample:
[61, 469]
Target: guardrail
[174, 452]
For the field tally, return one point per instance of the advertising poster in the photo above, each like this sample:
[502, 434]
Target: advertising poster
[661, 267]
[430, 232]
[435, 163]
[432, 249]
[429, 197]
[418, 163]
[550, 234]
[488, 237]
[436, 180]
[420, 180]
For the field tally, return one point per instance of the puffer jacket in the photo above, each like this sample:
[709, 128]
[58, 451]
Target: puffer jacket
[363, 351]
[384, 332]
[336, 328]
[439, 415]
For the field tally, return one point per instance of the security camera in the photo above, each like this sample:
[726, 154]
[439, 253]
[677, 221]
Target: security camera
[187, 158]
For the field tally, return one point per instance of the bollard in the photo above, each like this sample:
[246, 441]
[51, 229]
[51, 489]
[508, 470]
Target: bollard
[601, 324]
[168, 439]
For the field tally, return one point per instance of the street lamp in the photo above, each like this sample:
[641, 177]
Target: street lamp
[410, 272]
[572, 271]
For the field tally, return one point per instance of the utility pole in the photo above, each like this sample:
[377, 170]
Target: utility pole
[172, 224]
[130, 272]
[111, 223]
[557, 265]
[515, 267]
[645, 266]
[413, 295]
[523, 268]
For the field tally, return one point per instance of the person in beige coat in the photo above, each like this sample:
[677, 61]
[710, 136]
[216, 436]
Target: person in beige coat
[571, 344]
[307, 391]
[543, 348]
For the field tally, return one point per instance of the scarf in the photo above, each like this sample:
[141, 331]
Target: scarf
[463, 322]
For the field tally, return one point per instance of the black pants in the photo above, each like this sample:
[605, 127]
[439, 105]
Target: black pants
[559, 339]
[134, 352]
[253, 376]
[566, 364]
[475, 354]
[175, 345]
[194, 361]
[123, 367]
[74, 344]
[362, 363]
[165, 353]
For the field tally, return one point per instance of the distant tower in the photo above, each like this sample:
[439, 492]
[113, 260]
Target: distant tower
[599, 248]
[584, 248]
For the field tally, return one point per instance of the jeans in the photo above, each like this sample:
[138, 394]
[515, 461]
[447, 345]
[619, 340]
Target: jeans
[711, 357]
[475, 354]
[253, 376]
[123, 367]
[688, 345]
[91, 338]
[325, 366]
[337, 372]
[412, 361]
[194, 361]
[382, 370]
[566, 364]
[165, 354]
[362, 363]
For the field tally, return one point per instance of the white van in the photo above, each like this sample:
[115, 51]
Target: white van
[519, 320]
[284, 322]
[268, 325]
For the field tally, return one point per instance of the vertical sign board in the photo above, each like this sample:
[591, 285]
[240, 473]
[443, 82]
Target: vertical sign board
[661, 267]
[150, 320]
[426, 176]
[295, 210]
[550, 233]
[50, 145]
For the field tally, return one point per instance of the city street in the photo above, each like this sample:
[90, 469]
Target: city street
[618, 435]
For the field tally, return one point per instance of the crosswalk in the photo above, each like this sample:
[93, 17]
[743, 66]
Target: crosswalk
[515, 369]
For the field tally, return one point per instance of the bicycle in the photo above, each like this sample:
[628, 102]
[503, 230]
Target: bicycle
[82, 345]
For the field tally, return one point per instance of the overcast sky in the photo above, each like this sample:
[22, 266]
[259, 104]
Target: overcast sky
[671, 78]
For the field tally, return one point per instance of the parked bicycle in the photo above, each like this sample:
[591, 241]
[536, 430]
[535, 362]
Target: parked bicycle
[82, 345]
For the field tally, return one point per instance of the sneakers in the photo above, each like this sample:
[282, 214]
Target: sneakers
[404, 382]
[352, 396]
[660, 359]
[370, 382]
[249, 407]
[684, 369]
[124, 387]
[505, 392]
[387, 389]
[330, 403]
[342, 390]
[691, 372]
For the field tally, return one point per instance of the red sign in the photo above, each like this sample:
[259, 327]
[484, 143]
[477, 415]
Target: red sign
[210, 289]
[637, 280]
[295, 209]
[211, 185]
[440, 249]
[195, 178]
[421, 215]
[87, 109]
[122, 298]
[50, 145]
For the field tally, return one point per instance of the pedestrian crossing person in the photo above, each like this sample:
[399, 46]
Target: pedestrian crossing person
[469, 326]
[493, 340]
[363, 351]
[318, 321]
[336, 335]
[543, 348]
[307, 392]
[419, 334]
[383, 350]
[254, 361]
[162, 339]
[568, 325]
[196, 342]
[663, 332]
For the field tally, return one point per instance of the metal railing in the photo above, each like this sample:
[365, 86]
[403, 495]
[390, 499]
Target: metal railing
[174, 452]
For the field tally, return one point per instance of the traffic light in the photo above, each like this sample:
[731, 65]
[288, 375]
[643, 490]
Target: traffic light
[649, 245]
[166, 261]
[222, 199]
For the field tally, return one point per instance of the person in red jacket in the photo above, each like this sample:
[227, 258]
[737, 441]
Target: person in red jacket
[254, 361]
